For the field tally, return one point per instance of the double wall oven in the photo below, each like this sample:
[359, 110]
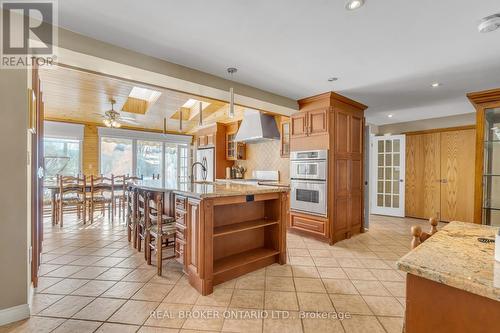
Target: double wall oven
[308, 181]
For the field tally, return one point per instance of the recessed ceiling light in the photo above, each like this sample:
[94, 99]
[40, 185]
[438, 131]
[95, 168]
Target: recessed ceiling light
[332, 79]
[435, 84]
[489, 23]
[354, 4]
[389, 115]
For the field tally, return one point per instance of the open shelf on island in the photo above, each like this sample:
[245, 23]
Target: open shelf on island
[242, 226]
[241, 259]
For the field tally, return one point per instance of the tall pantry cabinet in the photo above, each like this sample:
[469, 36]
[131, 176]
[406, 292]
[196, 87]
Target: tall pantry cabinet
[336, 123]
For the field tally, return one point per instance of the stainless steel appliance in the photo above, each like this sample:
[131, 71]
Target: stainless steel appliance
[308, 181]
[205, 157]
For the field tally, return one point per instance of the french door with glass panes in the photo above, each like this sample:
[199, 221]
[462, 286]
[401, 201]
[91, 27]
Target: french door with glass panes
[388, 174]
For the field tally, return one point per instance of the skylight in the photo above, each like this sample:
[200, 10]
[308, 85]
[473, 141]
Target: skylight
[145, 94]
[192, 102]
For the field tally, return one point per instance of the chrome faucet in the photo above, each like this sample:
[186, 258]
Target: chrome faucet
[203, 169]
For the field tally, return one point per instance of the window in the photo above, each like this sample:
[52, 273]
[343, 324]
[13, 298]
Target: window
[138, 156]
[149, 160]
[61, 157]
[116, 156]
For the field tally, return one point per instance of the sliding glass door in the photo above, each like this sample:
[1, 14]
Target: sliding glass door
[149, 159]
[116, 156]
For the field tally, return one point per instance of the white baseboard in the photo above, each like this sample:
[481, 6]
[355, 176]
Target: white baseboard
[14, 313]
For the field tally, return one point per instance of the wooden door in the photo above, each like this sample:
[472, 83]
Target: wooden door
[317, 122]
[37, 175]
[457, 175]
[298, 126]
[423, 176]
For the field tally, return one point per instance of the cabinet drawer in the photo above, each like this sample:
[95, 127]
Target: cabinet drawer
[180, 202]
[304, 223]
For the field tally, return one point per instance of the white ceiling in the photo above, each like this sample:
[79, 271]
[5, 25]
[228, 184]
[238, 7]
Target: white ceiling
[386, 54]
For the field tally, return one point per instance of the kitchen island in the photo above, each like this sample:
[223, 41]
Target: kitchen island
[225, 230]
[453, 281]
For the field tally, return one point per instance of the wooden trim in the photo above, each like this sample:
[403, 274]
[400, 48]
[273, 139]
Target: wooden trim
[479, 165]
[154, 86]
[332, 96]
[91, 123]
[439, 130]
[486, 96]
[481, 100]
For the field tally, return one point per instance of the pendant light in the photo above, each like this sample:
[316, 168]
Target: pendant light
[231, 71]
[180, 120]
[165, 125]
[200, 122]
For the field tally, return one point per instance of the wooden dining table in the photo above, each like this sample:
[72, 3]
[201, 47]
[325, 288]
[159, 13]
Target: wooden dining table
[54, 188]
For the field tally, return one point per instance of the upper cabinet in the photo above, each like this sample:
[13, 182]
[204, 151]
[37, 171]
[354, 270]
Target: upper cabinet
[298, 125]
[234, 150]
[309, 123]
[317, 122]
[285, 138]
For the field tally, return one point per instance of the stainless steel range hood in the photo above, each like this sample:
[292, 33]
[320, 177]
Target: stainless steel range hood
[257, 127]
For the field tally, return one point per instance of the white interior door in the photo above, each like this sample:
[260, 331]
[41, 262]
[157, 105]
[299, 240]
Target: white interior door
[388, 174]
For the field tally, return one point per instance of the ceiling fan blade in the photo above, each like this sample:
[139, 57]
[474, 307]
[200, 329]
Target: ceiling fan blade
[128, 118]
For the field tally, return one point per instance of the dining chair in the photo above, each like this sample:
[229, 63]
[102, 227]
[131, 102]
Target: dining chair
[120, 190]
[72, 193]
[126, 180]
[160, 230]
[131, 214]
[140, 225]
[102, 195]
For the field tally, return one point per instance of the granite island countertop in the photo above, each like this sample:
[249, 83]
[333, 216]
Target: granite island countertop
[453, 256]
[210, 189]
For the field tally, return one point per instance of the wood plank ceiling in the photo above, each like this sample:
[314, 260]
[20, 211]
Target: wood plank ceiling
[78, 96]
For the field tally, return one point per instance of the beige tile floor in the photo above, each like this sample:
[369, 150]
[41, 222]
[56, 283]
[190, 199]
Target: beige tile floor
[92, 280]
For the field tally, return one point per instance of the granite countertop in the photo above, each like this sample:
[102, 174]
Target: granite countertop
[211, 189]
[454, 256]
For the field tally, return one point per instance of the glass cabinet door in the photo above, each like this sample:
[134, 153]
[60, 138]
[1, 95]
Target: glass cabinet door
[491, 173]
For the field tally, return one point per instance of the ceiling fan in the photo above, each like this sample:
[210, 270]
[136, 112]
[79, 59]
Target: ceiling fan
[114, 119]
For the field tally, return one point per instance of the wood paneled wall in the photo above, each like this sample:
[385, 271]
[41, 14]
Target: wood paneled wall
[90, 156]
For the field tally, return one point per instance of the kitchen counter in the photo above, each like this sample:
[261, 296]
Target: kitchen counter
[453, 282]
[211, 189]
[225, 229]
[453, 256]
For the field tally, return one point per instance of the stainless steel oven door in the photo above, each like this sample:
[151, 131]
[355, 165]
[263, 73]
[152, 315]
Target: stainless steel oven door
[311, 169]
[308, 196]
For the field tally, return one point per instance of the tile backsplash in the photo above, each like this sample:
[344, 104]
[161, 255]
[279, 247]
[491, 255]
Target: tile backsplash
[265, 156]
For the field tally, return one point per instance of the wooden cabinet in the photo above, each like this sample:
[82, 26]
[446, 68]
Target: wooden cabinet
[317, 122]
[193, 251]
[298, 125]
[487, 166]
[335, 123]
[309, 123]
[285, 138]
[234, 150]
[440, 175]
[309, 223]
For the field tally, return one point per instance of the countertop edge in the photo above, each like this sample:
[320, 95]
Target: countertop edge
[449, 280]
